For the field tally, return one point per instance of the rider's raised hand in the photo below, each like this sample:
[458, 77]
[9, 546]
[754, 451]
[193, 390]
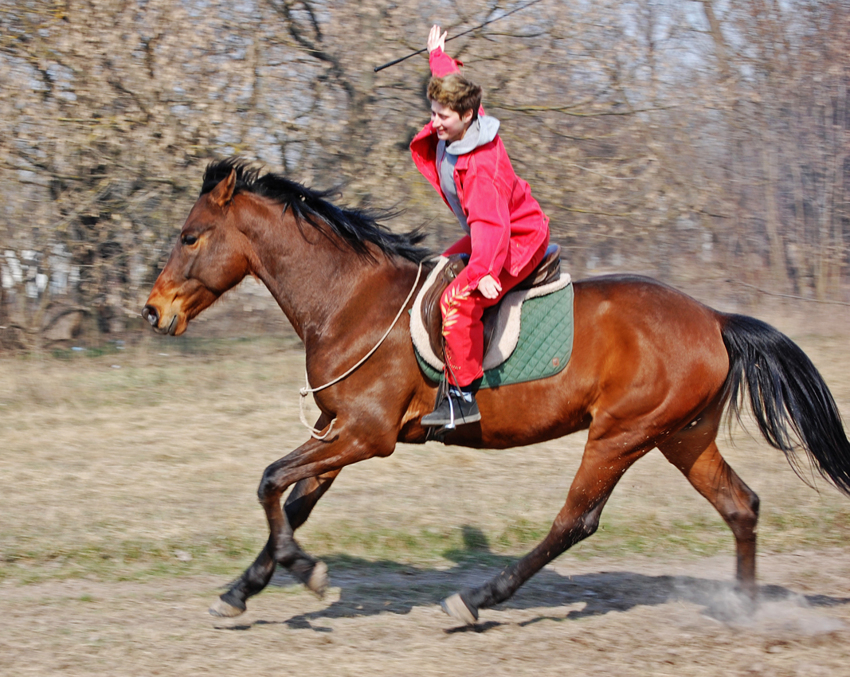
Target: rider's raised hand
[436, 39]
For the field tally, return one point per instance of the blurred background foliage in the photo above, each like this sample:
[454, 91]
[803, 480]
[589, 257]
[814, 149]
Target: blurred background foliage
[684, 139]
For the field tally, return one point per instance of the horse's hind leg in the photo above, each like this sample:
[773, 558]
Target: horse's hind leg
[603, 464]
[700, 461]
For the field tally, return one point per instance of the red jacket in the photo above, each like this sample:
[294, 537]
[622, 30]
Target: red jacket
[506, 223]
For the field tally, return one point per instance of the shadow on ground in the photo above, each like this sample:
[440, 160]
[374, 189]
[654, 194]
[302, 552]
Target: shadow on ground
[369, 588]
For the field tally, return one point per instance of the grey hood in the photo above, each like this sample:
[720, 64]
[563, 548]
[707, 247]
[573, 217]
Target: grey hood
[482, 130]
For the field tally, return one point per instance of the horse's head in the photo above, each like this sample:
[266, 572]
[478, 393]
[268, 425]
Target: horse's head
[210, 256]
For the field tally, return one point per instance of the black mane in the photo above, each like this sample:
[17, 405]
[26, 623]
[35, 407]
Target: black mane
[355, 227]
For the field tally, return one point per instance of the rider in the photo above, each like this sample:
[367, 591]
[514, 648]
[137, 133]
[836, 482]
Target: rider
[507, 233]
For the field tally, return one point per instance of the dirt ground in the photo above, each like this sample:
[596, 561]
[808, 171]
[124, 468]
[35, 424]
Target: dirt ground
[128, 501]
[601, 616]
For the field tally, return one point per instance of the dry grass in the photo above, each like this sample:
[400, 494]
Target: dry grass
[117, 469]
[117, 465]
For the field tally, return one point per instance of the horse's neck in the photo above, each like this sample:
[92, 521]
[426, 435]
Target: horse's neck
[315, 281]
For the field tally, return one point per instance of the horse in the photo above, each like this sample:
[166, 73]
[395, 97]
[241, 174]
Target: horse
[651, 368]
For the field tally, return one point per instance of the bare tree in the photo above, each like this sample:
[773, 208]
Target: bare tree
[653, 132]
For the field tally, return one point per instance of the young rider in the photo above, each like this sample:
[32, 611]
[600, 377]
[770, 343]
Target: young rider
[507, 233]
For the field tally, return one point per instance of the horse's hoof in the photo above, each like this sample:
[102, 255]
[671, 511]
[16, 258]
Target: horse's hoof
[318, 581]
[455, 607]
[222, 609]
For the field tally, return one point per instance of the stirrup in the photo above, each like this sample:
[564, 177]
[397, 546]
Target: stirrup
[456, 408]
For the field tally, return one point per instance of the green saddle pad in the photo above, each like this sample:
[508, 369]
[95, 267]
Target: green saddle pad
[544, 347]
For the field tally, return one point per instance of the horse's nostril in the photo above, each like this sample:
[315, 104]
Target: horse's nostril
[151, 315]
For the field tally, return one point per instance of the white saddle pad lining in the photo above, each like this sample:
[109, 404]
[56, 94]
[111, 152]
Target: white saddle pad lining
[506, 333]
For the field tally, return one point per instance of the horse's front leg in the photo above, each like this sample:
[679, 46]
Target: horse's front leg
[304, 496]
[314, 459]
[299, 504]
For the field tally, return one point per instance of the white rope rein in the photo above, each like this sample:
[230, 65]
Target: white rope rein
[308, 390]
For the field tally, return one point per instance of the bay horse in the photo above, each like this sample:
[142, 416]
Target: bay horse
[651, 367]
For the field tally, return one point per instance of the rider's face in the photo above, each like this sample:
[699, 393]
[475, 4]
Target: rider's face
[449, 125]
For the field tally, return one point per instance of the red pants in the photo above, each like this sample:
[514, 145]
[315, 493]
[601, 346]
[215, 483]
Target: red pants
[462, 308]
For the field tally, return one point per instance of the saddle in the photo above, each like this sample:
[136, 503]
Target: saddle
[427, 319]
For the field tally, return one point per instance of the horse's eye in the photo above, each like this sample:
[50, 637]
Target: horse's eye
[189, 240]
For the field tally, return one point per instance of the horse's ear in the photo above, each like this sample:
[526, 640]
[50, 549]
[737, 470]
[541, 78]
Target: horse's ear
[222, 194]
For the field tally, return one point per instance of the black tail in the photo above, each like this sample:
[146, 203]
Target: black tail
[789, 398]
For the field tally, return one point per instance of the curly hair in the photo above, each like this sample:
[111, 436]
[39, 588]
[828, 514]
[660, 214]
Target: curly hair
[456, 92]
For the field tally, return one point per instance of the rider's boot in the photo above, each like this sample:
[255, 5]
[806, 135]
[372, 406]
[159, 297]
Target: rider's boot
[457, 408]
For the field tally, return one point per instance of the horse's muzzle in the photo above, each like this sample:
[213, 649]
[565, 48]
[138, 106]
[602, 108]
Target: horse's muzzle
[151, 315]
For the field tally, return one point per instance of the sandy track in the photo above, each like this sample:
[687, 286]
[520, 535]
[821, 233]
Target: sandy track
[598, 616]
[113, 467]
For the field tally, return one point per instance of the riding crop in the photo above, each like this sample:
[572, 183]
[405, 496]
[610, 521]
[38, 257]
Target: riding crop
[466, 32]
